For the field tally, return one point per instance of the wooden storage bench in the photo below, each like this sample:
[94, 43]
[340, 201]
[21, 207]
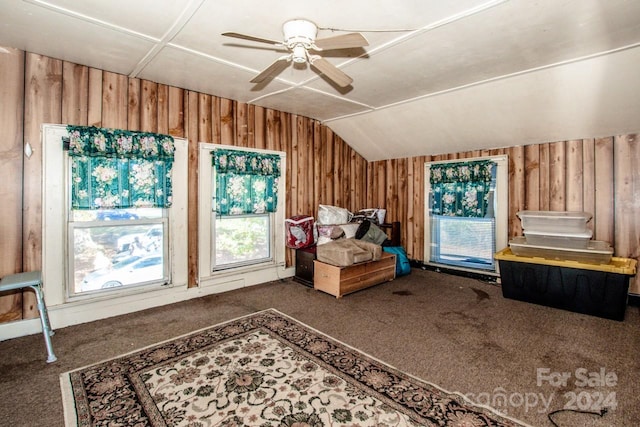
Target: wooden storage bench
[339, 281]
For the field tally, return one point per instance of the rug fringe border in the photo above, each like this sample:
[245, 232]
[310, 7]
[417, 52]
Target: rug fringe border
[69, 409]
[68, 402]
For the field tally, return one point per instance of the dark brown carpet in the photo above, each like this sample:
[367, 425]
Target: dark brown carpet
[458, 333]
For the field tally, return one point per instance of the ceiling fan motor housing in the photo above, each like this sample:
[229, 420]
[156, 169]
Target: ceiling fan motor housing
[299, 32]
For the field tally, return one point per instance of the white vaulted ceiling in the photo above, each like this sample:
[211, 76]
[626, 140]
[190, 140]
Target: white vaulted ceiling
[437, 76]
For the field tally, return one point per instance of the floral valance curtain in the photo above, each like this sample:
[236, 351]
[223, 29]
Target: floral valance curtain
[119, 169]
[246, 182]
[461, 189]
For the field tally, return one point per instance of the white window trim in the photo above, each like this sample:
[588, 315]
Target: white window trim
[234, 278]
[501, 212]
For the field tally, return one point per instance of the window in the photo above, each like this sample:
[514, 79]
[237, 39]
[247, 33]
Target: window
[466, 212]
[61, 226]
[245, 194]
[116, 248]
[241, 215]
[465, 242]
[119, 197]
[241, 240]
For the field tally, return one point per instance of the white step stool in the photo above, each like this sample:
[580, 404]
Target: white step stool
[33, 280]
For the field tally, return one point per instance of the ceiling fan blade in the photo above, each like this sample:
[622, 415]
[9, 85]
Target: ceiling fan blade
[343, 41]
[251, 38]
[331, 71]
[272, 70]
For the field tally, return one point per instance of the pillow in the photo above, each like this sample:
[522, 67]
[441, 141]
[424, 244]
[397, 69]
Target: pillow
[333, 215]
[327, 233]
[324, 230]
[350, 229]
[322, 240]
[369, 232]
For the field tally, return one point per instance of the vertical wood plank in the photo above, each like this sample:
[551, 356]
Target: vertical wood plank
[328, 167]
[192, 124]
[410, 222]
[337, 171]
[532, 177]
[557, 182]
[204, 118]
[241, 126]
[216, 124]
[149, 104]
[75, 92]
[317, 167]
[292, 125]
[354, 179]
[114, 100]
[361, 182]
[403, 197]
[271, 131]
[259, 127]
[133, 104]
[11, 173]
[574, 176]
[346, 176]
[419, 207]
[381, 186]
[280, 130]
[371, 180]
[391, 196]
[301, 170]
[94, 104]
[227, 132]
[163, 109]
[623, 194]
[516, 188]
[589, 176]
[176, 112]
[604, 214]
[43, 99]
[544, 178]
[309, 172]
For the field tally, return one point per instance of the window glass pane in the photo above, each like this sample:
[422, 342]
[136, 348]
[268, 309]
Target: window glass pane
[241, 240]
[464, 242]
[114, 256]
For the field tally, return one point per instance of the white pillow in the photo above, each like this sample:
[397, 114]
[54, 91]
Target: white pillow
[323, 239]
[350, 229]
[333, 215]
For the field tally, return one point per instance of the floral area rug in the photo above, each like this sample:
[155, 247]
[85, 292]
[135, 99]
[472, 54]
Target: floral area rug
[267, 370]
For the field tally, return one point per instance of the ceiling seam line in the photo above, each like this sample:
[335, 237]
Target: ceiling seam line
[430, 27]
[177, 26]
[491, 80]
[91, 20]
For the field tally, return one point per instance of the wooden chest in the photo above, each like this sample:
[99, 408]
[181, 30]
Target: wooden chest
[340, 281]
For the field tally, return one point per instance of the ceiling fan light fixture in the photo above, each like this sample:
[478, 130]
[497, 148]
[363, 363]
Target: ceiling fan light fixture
[299, 54]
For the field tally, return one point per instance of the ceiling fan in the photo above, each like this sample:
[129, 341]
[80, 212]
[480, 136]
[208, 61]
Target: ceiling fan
[299, 39]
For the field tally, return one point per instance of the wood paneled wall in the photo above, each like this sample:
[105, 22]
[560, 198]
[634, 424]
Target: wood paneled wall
[596, 175]
[599, 176]
[321, 167]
